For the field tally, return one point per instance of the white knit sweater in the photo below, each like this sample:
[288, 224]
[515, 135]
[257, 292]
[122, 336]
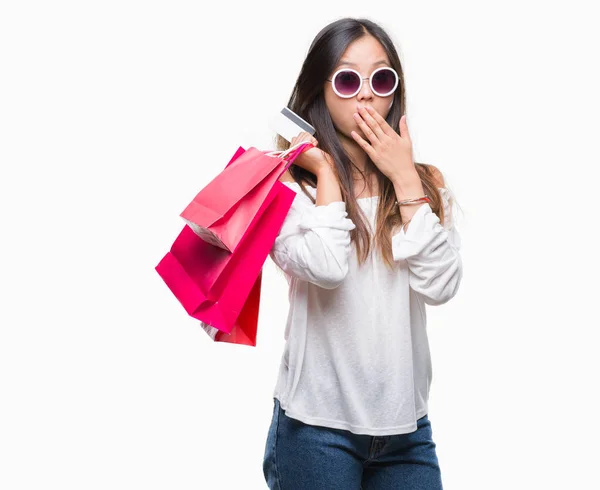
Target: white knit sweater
[356, 355]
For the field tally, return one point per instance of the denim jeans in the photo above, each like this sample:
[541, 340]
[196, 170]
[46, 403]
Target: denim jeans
[299, 456]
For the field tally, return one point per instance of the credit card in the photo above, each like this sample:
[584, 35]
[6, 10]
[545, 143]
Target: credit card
[288, 124]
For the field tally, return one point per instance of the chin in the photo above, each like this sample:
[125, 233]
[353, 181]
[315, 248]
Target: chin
[360, 133]
[346, 133]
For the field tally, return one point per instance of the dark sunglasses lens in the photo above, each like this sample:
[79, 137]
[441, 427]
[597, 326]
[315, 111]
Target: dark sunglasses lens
[347, 82]
[384, 81]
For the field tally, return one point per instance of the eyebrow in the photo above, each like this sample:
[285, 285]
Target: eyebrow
[346, 62]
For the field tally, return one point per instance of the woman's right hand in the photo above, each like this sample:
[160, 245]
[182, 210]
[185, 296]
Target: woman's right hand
[314, 159]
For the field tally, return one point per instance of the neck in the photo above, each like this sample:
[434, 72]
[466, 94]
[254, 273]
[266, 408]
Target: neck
[358, 157]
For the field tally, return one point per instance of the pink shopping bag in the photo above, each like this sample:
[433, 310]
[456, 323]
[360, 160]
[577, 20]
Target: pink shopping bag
[246, 325]
[213, 284]
[231, 204]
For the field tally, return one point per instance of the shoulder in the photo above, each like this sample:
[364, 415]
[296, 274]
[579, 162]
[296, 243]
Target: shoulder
[303, 189]
[305, 194]
[438, 177]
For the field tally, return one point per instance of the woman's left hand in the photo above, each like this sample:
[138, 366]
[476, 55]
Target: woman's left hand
[392, 153]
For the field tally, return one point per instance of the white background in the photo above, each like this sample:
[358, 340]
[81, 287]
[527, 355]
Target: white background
[115, 114]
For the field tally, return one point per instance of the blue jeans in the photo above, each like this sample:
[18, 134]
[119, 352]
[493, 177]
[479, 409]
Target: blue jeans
[299, 456]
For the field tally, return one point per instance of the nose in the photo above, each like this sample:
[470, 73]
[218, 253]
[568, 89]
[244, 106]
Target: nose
[365, 92]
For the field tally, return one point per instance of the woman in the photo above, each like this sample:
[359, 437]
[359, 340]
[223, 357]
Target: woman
[367, 243]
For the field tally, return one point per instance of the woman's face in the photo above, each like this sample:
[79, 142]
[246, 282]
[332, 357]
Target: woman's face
[364, 55]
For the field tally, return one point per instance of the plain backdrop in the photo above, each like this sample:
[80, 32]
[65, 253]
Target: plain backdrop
[113, 115]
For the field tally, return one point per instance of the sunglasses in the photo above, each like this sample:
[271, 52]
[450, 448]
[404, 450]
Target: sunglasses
[347, 82]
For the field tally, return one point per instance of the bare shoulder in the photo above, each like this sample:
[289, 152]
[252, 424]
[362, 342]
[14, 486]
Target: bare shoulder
[437, 176]
[286, 177]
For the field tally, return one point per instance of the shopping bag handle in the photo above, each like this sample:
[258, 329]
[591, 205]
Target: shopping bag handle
[284, 153]
[291, 153]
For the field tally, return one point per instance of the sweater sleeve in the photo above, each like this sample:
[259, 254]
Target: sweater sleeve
[314, 242]
[431, 252]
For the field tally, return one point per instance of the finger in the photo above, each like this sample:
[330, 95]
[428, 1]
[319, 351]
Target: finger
[299, 138]
[375, 126]
[383, 124]
[304, 137]
[368, 132]
[404, 128]
[364, 145]
[308, 138]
